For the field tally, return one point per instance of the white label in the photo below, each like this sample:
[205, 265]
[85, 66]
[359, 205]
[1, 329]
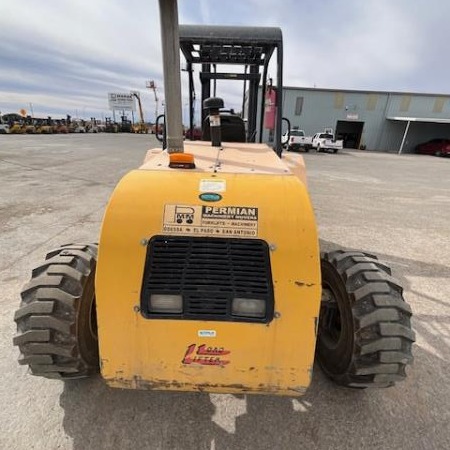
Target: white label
[213, 185]
[229, 221]
[207, 333]
[214, 121]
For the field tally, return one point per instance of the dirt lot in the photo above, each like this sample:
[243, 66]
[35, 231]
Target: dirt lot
[53, 190]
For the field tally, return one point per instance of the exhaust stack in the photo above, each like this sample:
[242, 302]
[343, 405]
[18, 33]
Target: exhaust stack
[170, 39]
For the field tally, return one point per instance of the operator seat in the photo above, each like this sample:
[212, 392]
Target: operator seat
[231, 125]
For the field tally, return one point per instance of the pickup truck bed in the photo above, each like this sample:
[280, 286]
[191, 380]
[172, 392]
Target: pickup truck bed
[297, 141]
[326, 142]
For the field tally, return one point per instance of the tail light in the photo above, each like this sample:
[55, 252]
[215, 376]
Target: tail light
[292, 140]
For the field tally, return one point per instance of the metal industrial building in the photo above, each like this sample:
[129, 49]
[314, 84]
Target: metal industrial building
[374, 120]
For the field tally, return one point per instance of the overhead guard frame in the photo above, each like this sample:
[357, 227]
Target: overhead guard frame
[248, 46]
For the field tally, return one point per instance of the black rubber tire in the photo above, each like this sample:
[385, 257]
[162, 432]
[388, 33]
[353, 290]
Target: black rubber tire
[56, 321]
[364, 335]
[335, 150]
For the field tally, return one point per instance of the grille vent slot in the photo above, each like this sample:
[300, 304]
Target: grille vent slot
[208, 273]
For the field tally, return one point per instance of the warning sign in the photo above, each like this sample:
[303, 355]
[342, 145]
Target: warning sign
[237, 221]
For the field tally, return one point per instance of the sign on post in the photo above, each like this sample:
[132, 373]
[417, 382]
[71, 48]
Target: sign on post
[121, 101]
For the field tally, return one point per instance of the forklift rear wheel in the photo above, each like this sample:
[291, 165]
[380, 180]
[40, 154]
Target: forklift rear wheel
[56, 321]
[364, 336]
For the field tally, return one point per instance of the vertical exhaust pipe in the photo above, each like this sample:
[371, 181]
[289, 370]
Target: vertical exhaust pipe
[170, 38]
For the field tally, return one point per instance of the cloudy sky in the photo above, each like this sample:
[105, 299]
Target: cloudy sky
[64, 56]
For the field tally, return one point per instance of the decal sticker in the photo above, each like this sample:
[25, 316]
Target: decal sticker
[232, 221]
[207, 333]
[212, 185]
[205, 356]
[210, 197]
[214, 120]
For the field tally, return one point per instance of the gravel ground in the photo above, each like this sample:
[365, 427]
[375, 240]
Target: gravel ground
[53, 190]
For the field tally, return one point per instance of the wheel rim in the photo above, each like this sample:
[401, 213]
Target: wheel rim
[93, 320]
[331, 324]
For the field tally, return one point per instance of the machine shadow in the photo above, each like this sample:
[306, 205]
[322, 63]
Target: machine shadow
[99, 417]
[327, 416]
[331, 417]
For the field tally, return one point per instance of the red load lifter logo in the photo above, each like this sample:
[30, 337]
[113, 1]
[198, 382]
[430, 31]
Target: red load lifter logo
[205, 356]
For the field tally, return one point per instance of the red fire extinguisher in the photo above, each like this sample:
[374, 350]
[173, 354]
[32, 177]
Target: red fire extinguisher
[270, 107]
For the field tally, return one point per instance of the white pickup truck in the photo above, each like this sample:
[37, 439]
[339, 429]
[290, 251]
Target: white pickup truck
[297, 141]
[326, 142]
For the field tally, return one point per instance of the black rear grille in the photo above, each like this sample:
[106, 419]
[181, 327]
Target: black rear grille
[208, 273]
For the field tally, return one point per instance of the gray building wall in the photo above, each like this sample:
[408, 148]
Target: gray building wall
[323, 108]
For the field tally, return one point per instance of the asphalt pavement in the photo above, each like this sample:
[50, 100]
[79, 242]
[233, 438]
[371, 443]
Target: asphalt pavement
[53, 190]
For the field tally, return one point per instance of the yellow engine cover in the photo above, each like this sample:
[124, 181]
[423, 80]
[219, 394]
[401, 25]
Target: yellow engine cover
[210, 355]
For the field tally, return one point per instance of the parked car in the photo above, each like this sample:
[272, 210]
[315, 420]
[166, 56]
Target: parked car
[436, 147]
[297, 141]
[326, 142]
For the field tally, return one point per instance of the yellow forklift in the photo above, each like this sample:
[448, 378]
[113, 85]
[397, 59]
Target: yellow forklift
[208, 274]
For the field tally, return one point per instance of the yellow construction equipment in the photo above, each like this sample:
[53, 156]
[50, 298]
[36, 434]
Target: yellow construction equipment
[17, 128]
[208, 275]
[30, 129]
[141, 126]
